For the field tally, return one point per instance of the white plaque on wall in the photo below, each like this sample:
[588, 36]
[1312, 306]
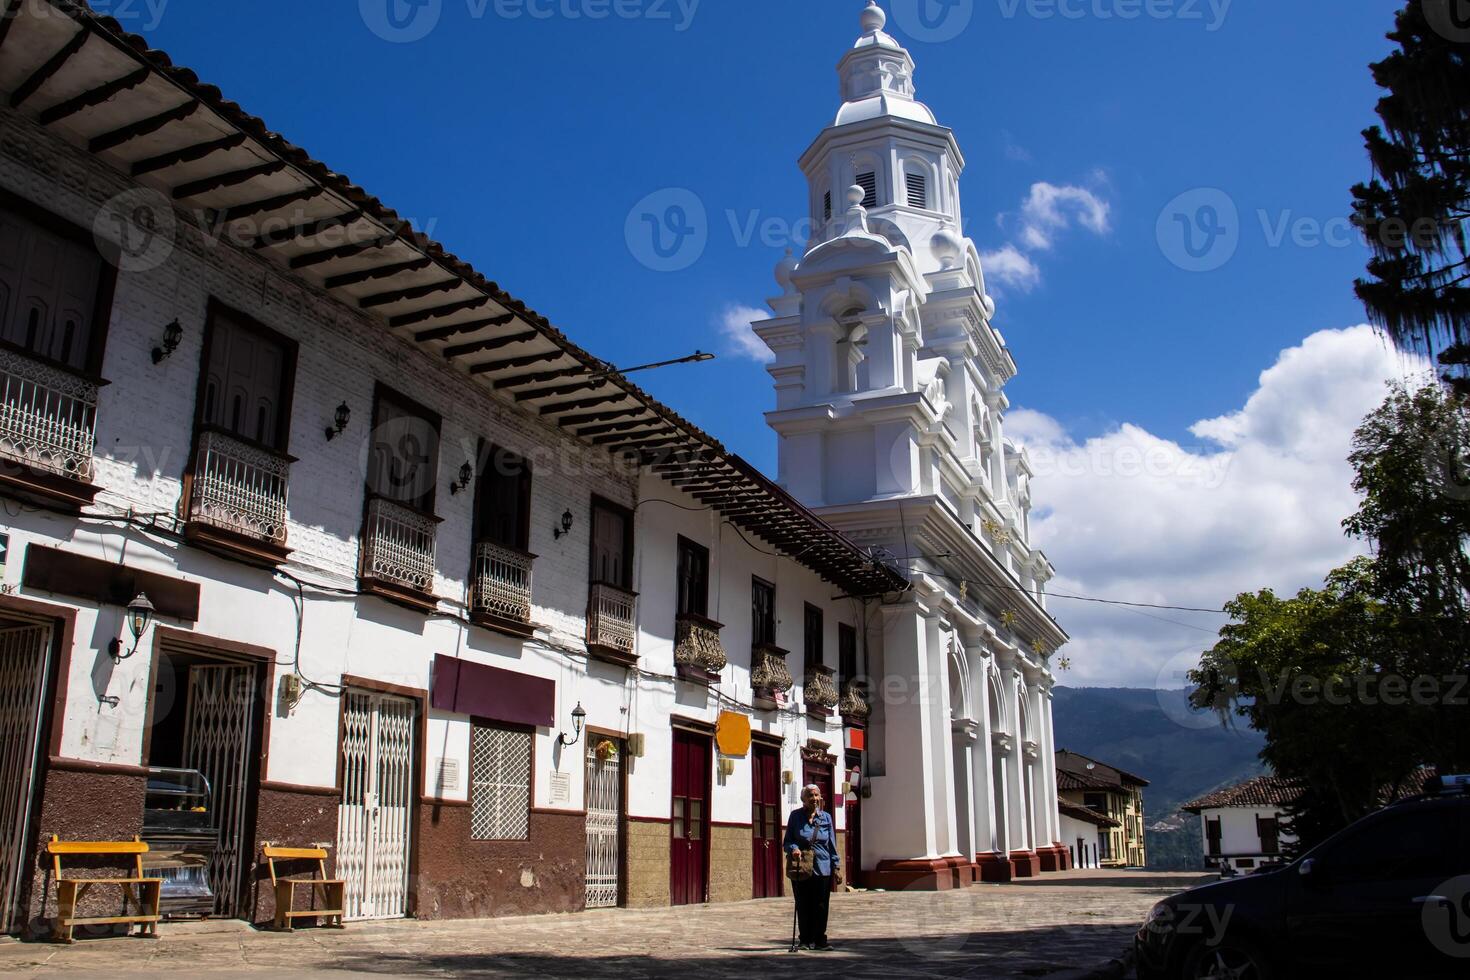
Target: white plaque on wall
[561, 787]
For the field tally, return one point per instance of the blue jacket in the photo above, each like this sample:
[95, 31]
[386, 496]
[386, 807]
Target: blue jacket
[820, 836]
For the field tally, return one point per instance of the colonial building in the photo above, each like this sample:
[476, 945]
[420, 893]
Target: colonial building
[316, 536]
[313, 535]
[890, 404]
[1241, 824]
[1108, 792]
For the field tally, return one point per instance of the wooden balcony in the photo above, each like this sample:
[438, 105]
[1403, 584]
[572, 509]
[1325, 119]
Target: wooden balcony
[853, 705]
[237, 499]
[770, 678]
[500, 589]
[48, 426]
[818, 691]
[610, 623]
[398, 554]
[698, 654]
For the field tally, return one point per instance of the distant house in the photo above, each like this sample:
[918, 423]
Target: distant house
[1101, 811]
[1241, 824]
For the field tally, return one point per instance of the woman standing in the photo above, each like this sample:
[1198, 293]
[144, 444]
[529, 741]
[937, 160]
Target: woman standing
[810, 828]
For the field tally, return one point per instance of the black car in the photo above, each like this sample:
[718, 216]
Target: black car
[1388, 896]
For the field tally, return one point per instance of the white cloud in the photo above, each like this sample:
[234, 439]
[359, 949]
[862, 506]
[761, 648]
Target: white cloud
[1050, 209]
[1014, 151]
[1257, 503]
[1009, 267]
[740, 341]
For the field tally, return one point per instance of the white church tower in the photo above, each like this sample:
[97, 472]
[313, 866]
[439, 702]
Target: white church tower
[890, 410]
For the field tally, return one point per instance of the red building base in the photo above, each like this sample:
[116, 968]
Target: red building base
[1027, 863]
[1054, 858]
[991, 866]
[936, 875]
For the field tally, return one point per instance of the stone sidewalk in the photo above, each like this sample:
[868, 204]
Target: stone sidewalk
[1051, 925]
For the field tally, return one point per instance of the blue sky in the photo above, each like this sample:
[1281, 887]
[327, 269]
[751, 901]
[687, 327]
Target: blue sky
[523, 141]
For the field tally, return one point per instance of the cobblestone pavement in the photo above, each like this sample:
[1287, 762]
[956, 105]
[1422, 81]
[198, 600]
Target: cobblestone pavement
[1052, 925]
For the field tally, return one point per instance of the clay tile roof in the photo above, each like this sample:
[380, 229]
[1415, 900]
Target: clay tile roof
[1261, 791]
[1102, 774]
[1080, 812]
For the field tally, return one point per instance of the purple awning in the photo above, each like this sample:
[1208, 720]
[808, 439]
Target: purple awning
[492, 693]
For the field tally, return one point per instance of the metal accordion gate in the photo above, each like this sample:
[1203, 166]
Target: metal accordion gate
[604, 792]
[218, 732]
[23, 661]
[375, 817]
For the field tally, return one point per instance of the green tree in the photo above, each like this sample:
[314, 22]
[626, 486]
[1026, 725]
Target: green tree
[1358, 684]
[1413, 212]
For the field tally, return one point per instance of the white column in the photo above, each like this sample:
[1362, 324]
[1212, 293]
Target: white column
[942, 790]
[899, 820]
[1017, 838]
[984, 783]
[1049, 756]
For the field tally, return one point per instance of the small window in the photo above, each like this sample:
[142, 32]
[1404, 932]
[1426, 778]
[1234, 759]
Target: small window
[504, 499]
[612, 545]
[918, 186]
[1212, 835]
[827, 206]
[693, 583]
[1268, 830]
[762, 611]
[869, 183]
[500, 783]
[247, 379]
[53, 285]
[812, 635]
[846, 652]
[403, 463]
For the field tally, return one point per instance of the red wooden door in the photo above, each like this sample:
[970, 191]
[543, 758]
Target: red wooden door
[765, 818]
[821, 776]
[690, 824]
[852, 853]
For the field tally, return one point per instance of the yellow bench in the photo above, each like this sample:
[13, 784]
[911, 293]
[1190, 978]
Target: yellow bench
[70, 891]
[333, 893]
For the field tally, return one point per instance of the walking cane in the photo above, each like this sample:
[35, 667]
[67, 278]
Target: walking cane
[794, 946]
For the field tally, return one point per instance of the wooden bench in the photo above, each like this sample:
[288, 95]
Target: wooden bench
[333, 893]
[70, 891]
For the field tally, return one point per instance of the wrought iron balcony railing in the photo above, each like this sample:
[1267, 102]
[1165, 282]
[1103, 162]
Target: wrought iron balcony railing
[48, 417]
[697, 644]
[239, 487]
[769, 674]
[502, 582]
[610, 618]
[398, 546]
[818, 689]
[853, 706]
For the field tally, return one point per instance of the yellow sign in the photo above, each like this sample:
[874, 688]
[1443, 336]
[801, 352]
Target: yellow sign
[732, 733]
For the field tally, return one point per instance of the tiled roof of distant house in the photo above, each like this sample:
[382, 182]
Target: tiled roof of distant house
[1086, 813]
[1111, 777]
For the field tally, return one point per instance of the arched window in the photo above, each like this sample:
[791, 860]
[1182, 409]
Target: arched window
[916, 183]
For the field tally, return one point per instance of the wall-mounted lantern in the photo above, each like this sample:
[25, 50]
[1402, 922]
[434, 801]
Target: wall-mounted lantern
[578, 716]
[173, 335]
[566, 525]
[140, 614]
[343, 416]
[466, 473]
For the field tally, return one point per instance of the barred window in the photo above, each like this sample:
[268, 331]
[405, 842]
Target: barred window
[500, 777]
[869, 183]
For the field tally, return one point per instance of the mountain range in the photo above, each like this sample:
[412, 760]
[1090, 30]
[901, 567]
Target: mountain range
[1183, 754]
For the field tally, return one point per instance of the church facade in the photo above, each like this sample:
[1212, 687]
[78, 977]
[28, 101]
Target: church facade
[890, 376]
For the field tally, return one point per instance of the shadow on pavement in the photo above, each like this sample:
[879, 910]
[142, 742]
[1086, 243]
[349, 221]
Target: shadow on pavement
[1020, 953]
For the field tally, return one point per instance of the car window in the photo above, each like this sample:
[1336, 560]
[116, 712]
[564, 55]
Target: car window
[1417, 842]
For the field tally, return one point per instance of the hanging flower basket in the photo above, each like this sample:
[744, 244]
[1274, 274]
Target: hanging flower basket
[606, 750]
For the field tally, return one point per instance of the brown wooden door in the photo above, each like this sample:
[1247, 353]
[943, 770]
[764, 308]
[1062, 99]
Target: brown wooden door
[689, 830]
[767, 825]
